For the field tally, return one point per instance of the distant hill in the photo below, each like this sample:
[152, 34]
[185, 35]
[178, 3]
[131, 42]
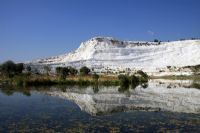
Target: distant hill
[108, 54]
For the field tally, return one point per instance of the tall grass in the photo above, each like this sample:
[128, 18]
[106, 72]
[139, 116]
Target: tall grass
[45, 80]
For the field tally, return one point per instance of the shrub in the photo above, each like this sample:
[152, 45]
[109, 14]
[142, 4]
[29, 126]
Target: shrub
[124, 80]
[134, 81]
[62, 72]
[143, 76]
[9, 68]
[72, 71]
[84, 70]
[19, 68]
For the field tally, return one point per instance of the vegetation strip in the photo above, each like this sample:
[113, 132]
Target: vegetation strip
[21, 75]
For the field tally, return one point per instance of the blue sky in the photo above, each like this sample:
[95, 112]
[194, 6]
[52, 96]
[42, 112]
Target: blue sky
[31, 29]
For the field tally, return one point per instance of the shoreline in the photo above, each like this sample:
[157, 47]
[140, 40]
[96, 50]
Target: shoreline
[105, 80]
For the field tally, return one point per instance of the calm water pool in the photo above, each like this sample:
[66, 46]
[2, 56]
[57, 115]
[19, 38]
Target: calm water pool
[73, 109]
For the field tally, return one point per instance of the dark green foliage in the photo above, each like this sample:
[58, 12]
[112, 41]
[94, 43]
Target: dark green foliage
[143, 76]
[63, 72]
[124, 81]
[19, 68]
[72, 71]
[134, 81]
[9, 68]
[84, 70]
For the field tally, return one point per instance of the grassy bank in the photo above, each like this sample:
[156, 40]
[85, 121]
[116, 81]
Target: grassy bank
[42, 80]
[178, 77]
[25, 80]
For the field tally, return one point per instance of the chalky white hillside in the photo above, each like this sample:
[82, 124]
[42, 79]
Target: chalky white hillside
[106, 54]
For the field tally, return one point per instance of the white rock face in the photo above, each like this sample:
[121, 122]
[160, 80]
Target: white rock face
[108, 53]
[165, 96]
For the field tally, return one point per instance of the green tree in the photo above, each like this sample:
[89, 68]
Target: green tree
[124, 80]
[84, 70]
[19, 68]
[143, 76]
[62, 72]
[124, 83]
[134, 81]
[8, 68]
[72, 71]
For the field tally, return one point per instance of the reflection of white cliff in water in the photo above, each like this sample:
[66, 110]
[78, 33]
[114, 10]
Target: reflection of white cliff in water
[164, 96]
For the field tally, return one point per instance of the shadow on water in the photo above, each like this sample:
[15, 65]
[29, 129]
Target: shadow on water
[9, 91]
[126, 87]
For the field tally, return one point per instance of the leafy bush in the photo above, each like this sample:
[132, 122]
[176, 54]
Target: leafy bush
[124, 83]
[62, 72]
[134, 81]
[9, 68]
[124, 80]
[143, 76]
[72, 71]
[84, 71]
[19, 68]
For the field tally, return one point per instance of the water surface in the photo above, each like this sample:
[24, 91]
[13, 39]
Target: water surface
[156, 107]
